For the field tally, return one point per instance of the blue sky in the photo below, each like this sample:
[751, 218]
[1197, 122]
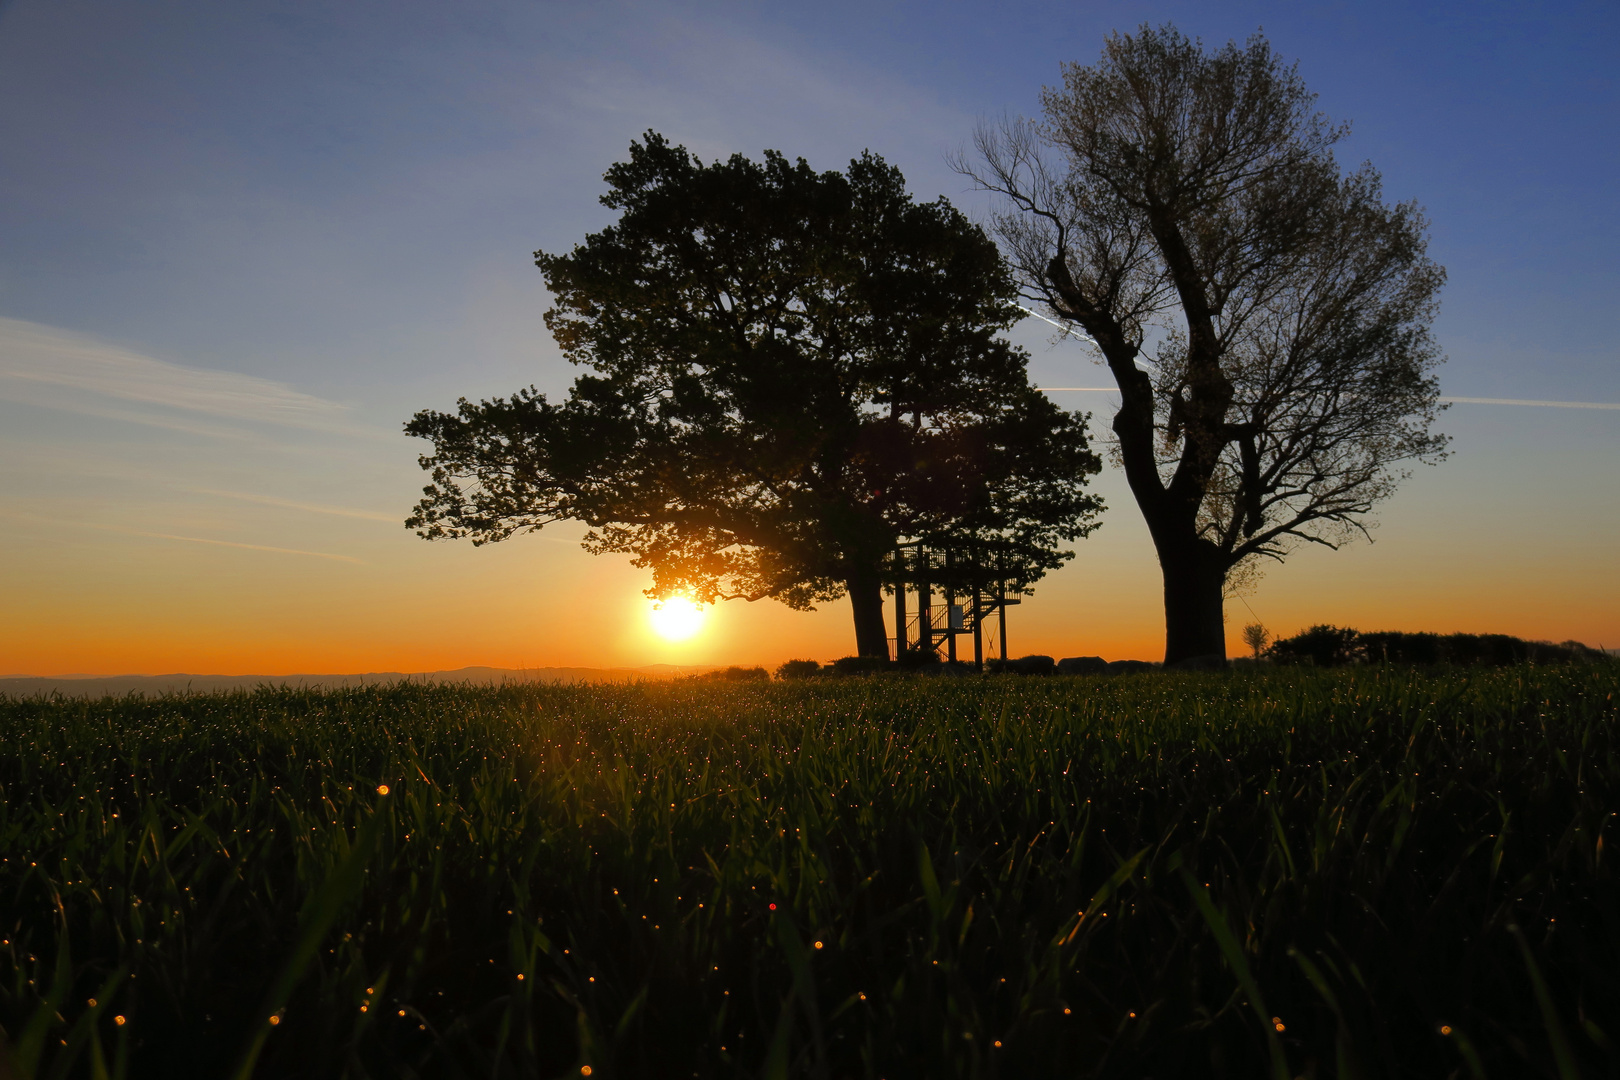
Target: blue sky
[241, 243]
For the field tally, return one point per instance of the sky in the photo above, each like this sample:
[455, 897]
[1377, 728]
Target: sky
[241, 244]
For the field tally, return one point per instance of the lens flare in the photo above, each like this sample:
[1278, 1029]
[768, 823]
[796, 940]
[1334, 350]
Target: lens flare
[676, 618]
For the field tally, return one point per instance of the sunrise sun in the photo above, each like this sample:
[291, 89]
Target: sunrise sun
[676, 618]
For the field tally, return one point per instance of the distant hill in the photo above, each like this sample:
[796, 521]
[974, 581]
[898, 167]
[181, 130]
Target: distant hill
[119, 685]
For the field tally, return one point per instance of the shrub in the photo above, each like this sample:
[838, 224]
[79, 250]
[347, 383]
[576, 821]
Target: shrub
[913, 658]
[798, 669]
[1322, 645]
[859, 665]
[1024, 665]
[1397, 648]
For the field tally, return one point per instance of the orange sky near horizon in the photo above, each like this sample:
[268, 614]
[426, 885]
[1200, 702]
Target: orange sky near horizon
[285, 586]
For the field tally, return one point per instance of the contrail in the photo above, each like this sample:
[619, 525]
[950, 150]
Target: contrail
[1066, 329]
[289, 504]
[1069, 331]
[231, 544]
[1446, 400]
[1524, 401]
[126, 531]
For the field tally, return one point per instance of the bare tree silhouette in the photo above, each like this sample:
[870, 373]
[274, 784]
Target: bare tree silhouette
[1197, 191]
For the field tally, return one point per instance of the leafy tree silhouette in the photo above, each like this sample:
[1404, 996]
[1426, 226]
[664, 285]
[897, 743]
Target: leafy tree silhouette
[789, 373]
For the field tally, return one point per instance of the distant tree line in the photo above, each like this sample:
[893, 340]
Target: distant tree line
[1324, 645]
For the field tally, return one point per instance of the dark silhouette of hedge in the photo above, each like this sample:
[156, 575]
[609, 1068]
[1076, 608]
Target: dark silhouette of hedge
[1325, 645]
[1322, 645]
[734, 674]
[1024, 665]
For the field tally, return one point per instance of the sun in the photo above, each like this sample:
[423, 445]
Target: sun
[676, 618]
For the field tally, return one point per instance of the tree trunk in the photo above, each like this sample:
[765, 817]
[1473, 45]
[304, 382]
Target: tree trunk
[1194, 569]
[866, 599]
[1195, 628]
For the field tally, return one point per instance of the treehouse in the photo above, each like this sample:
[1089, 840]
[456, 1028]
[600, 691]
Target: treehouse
[943, 592]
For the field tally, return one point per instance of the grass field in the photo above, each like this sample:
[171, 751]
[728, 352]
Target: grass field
[1373, 873]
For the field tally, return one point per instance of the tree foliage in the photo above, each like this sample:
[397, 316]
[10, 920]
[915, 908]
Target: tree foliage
[789, 372]
[1265, 314]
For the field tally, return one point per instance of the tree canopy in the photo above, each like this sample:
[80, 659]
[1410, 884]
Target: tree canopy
[789, 372]
[1264, 314]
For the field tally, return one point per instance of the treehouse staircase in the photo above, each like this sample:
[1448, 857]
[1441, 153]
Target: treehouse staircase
[979, 612]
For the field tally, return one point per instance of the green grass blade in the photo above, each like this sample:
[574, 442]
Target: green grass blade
[776, 1059]
[84, 1029]
[31, 1043]
[328, 903]
[1240, 967]
[1563, 1053]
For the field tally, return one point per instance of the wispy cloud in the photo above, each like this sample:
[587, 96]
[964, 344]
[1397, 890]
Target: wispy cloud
[34, 356]
[718, 87]
[311, 508]
[40, 395]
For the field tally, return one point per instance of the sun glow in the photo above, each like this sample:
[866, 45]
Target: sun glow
[676, 618]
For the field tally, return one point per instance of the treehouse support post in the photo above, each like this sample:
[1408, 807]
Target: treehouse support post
[899, 602]
[1001, 608]
[925, 602]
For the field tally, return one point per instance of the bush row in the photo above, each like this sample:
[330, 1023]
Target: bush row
[1335, 646]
